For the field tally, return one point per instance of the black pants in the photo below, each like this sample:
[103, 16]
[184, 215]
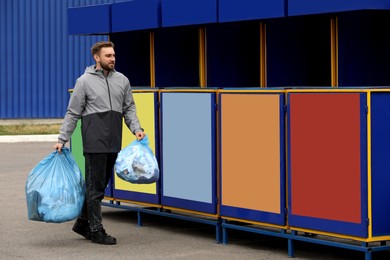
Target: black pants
[98, 170]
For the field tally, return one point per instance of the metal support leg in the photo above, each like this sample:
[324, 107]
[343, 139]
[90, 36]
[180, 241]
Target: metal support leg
[367, 255]
[290, 248]
[218, 230]
[139, 217]
[290, 245]
[224, 234]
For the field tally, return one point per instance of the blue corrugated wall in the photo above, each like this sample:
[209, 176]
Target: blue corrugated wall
[39, 60]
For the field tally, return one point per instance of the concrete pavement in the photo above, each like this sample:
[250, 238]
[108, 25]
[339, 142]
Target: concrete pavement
[28, 138]
[159, 237]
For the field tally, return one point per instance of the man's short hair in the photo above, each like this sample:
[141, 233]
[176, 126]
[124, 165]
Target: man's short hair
[99, 45]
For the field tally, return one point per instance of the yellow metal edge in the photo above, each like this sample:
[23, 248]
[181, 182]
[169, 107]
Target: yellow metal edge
[380, 90]
[134, 202]
[334, 51]
[266, 90]
[333, 90]
[336, 235]
[190, 90]
[191, 211]
[255, 222]
[262, 90]
[378, 239]
[144, 90]
[202, 57]
[369, 180]
[286, 150]
[263, 55]
[218, 154]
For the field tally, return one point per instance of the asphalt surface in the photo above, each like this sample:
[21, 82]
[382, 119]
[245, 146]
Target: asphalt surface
[159, 237]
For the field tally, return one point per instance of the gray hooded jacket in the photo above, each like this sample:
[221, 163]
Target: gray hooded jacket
[101, 103]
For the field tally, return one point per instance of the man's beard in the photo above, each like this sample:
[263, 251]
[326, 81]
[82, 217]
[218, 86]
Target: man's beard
[107, 66]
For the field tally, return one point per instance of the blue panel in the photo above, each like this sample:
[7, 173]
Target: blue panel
[136, 15]
[253, 215]
[302, 7]
[239, 10]
[188, 204]
[136, 196]
[90, 19]
[188, 149]
[380, 163]
[179, 12]
[338, 227]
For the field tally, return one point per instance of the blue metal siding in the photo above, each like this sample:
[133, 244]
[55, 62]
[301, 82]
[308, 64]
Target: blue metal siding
[304, 7]
[40, 61]
[190, 12]
[136, 15]
[234, 10]
[83, 20]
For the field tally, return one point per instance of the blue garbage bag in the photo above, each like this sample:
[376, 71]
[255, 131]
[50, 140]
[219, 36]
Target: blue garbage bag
[55, 189]
[137, 164]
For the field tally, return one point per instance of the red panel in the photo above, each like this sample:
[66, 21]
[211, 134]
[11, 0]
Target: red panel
[325, 156]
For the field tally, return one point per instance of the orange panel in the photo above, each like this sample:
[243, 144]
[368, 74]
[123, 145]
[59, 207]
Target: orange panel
[250, 151]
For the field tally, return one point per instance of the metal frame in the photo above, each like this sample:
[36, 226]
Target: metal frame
[160, 211]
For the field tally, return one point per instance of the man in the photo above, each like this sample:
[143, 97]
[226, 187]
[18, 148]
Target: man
[101, 97]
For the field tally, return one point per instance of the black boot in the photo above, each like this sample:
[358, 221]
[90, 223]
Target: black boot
[101, 237]
[81, 227]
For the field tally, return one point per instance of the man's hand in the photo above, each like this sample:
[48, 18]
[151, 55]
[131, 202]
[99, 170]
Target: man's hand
[140, 135]
[58, 147]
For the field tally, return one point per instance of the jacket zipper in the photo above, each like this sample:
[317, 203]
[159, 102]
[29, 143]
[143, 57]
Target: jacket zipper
[109, 97]
[109, 94]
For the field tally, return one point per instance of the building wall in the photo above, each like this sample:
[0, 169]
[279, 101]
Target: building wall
[39, 60]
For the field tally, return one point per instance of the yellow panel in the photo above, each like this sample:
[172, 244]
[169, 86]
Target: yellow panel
[146, 114]
[250, 155]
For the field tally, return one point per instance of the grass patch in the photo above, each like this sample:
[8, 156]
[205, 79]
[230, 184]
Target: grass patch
[30, 129]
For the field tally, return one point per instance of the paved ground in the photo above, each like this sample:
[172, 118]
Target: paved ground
[159, 238]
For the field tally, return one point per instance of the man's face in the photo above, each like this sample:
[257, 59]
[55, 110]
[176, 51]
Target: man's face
[106, 58]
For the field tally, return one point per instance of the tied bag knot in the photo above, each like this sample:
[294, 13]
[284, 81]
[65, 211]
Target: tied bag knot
[55, 189]
[137, 164]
